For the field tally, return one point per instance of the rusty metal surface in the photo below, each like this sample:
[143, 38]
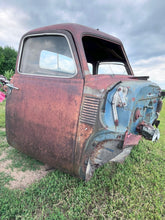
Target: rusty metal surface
[42, 118]
[131, 139]
[101, 82]
[76, 30]
[83, 134]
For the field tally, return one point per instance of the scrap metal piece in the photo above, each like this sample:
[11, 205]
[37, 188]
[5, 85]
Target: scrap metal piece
[122, 156]
[104, 152]
[131, 139]
[148, 132]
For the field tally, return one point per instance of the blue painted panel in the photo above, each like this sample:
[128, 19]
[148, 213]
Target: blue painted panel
[141, 94]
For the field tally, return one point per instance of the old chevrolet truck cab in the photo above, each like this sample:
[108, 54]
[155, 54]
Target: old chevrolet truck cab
[74, 102]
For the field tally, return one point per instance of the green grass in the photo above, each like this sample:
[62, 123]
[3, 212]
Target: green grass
[22, 161]
[2, 114]
[132, 190]
[4, 178]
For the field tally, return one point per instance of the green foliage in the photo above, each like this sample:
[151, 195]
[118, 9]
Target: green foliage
[2, 57]
[7, 59]
[8, 74]
[132, 190]
[164, 96]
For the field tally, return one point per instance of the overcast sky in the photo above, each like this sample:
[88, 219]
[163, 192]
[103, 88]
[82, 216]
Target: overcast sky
[140, 24]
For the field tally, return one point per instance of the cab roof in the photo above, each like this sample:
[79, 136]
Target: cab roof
[76, 30]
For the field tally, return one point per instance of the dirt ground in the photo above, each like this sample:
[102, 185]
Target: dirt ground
[20, 179]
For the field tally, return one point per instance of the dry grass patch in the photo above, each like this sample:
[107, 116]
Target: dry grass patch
[19, 179]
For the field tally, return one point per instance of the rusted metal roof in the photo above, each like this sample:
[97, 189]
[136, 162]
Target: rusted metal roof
[75, 30]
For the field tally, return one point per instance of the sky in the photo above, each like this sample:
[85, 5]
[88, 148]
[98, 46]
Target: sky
[139, 24]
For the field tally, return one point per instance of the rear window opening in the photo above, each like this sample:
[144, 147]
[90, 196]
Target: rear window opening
[112, 68]
[104, 57]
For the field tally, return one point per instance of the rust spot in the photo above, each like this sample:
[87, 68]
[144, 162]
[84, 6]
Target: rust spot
[116, 122]
[84, 132]
[137, 114]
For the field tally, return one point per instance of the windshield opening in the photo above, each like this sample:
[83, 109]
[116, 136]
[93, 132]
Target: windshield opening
[104, 57]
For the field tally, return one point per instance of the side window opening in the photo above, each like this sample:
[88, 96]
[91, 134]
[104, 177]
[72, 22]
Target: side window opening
[47, 55]
[105, 57]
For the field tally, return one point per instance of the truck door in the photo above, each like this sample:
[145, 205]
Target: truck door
[43, 104]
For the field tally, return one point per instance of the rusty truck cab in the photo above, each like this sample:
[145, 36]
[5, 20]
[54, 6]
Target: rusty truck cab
[74, 102]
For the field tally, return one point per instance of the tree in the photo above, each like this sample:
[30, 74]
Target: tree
[8, 58]
[2, 57]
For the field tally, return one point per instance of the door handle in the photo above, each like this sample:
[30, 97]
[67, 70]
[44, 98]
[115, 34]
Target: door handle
[11, 86]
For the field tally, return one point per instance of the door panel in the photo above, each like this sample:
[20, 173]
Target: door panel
[42, 116]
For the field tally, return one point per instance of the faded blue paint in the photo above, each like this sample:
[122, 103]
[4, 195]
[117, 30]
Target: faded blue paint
[109, 149]
[140, 94]
[104, 135]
